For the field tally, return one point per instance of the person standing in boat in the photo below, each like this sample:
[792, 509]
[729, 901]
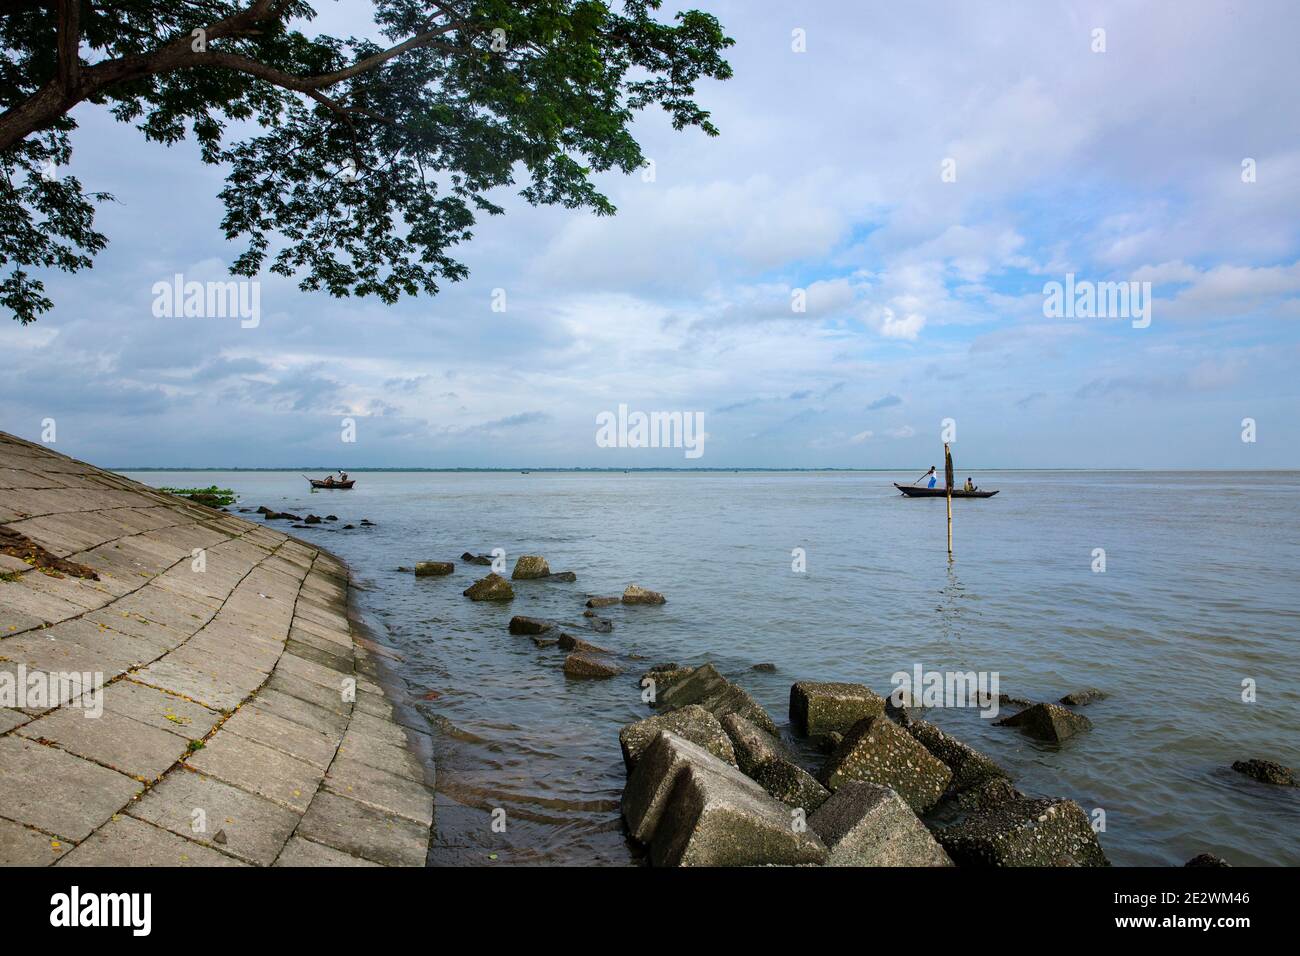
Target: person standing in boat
[931, 477]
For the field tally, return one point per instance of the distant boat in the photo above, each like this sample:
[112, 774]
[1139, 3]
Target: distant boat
[332, 483]
[914, 491]
[525, 473]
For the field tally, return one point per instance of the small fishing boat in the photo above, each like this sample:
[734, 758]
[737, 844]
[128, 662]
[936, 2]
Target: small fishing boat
[915, 491]
[332, 483]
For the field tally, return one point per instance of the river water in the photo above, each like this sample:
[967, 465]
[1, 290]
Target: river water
[1200, 593]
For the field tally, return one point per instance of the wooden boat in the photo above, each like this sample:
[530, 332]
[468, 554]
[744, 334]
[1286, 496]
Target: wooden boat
[915, 491]
[341, 485]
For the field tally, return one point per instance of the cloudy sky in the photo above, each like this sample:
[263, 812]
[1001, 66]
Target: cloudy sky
[924, 297]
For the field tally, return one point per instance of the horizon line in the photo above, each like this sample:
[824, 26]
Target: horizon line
[715, 469]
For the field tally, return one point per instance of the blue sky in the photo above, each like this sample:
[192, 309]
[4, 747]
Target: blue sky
[924, 297]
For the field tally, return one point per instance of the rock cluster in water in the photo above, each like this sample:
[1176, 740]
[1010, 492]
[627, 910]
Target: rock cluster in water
[1266, 771]
[303, 521]
[710, 783]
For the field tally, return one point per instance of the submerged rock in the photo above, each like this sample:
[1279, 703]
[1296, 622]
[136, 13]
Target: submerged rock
[1006, 700]
[561, 576]
[1047, 722]
[1025, 832]
[491, 588]
[865, 824]
[635, 594]
[878, 751]
[1266, 771]
[427, 569]
[764, 668]
[599, 624]
[519, 624]
[969, 767]
[583, 664]
[545, 642]
[568, 642]
[602, 601]
[530, 566]
[694, 809]
[311, 519]
[706, 687]
[470, 558]
[692, 723]
[817, 707]
[1207, 859]
[1085, 696]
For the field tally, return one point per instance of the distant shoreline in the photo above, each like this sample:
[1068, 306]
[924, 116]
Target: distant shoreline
[358, 469]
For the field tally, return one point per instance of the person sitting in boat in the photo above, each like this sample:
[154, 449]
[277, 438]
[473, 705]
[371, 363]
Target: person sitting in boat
[931, 477]
[970, 485]
[343, 475]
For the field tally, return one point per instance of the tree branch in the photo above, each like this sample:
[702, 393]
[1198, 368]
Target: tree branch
[61, 93]
[69, 45]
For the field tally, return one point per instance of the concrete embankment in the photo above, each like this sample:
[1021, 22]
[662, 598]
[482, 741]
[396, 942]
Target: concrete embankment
[179, 686]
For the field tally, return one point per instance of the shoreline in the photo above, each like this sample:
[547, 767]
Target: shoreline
[242, 715]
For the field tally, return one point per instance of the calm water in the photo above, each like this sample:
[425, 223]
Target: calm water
[1200, 593]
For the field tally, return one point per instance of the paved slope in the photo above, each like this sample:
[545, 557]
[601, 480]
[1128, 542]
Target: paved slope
[241, 722]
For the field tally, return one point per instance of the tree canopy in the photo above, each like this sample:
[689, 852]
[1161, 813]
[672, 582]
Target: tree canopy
[353, 165]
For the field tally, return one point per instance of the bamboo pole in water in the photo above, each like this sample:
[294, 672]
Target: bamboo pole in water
[947, 469]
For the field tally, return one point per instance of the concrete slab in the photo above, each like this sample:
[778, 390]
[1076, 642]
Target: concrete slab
[158, 709]
[321, 719]
[126, 841]
[380, 789]
[190, 682]
[360, 830]
[45, 787]
[23, 846]
[9, 719]
[300, 852]
[331, 698]
[216, 814]
[110, 739]
[309, 746]
[253, 766]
